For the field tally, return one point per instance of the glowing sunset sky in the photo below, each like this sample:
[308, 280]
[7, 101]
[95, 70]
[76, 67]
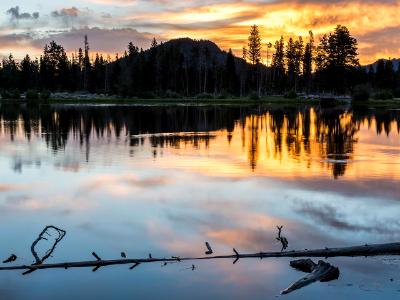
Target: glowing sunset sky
[111, 24]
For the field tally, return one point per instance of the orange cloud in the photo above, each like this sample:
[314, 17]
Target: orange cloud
[228, 23]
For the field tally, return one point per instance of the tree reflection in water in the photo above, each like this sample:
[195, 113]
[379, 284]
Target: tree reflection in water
[299, 133]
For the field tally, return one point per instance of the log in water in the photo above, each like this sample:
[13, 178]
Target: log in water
[365, 250]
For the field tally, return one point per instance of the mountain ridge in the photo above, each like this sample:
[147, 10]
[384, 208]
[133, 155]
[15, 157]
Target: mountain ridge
[395, 61]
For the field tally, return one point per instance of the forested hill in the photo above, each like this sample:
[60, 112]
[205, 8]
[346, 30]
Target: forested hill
[183, 66]
[189, 48]
[395, 63]
[193, 51]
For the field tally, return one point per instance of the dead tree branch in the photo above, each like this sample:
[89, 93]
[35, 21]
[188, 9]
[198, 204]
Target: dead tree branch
[209, 249]
[61, 234]
[11, 259]
[357, 251]
[282, 239]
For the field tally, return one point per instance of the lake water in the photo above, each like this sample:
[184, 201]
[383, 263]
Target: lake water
[163, 180]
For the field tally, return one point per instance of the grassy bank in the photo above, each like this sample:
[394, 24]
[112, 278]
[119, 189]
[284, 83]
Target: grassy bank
[393, 103]
[194, 101]
[173, 101]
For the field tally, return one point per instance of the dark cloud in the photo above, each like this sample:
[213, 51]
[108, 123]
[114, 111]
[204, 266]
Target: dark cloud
[116, 39]
[15, 14]
[330, 216]
[386, 189]
[72, 12]
[197, 25]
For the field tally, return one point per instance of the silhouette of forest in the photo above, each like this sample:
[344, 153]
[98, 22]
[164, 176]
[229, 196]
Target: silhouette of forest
[187, 68]
[334, 130]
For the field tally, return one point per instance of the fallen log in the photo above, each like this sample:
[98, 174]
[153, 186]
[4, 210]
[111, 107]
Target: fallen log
[366, 250]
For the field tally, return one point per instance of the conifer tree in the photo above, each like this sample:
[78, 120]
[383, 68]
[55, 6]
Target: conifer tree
[278, 64]
[254, 45]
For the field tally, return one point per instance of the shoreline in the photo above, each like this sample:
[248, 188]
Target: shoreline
[393, 103]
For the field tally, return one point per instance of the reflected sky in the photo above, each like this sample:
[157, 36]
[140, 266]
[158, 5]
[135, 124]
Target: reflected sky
[163, 180]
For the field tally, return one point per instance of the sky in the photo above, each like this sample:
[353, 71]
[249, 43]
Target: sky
[26, 26]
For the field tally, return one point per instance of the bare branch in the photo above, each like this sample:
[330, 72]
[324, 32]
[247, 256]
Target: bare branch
[360, 251]
[96, 256]
[61, 235]
[282, 239]
[237, 256]
[12, 258]
[134, 266]
[209, 249]
[96, 268]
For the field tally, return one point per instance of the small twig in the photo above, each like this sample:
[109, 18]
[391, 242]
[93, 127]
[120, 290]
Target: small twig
[209, 249]
[12, 258]
[282, 239]
[96, 256]
[237, 256]
[30, 270]
[134, 266]
[96, 268]
[193, 267]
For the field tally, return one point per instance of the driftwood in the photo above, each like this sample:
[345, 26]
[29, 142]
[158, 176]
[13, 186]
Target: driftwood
[357, 251]
[323, 272]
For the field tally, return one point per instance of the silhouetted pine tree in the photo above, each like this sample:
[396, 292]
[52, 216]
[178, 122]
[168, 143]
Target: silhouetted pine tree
[337, 57]
[278, 66]
[230, 75]
[29, 73]
[308, 59]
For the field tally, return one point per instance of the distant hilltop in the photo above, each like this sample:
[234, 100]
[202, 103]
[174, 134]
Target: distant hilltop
[191, 48]
[395, 62]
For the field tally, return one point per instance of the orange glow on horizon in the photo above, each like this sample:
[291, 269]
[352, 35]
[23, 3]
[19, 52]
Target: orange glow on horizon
[374, 24]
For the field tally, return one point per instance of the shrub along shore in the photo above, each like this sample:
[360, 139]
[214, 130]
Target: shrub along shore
[361, 95]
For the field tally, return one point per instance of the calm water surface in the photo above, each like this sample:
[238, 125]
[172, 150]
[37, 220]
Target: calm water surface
[163, 180]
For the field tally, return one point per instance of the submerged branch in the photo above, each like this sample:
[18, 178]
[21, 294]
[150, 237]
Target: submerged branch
[366, 250]
[323, 272]
[61, 234]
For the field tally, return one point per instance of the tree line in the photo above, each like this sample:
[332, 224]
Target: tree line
[185, 68]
